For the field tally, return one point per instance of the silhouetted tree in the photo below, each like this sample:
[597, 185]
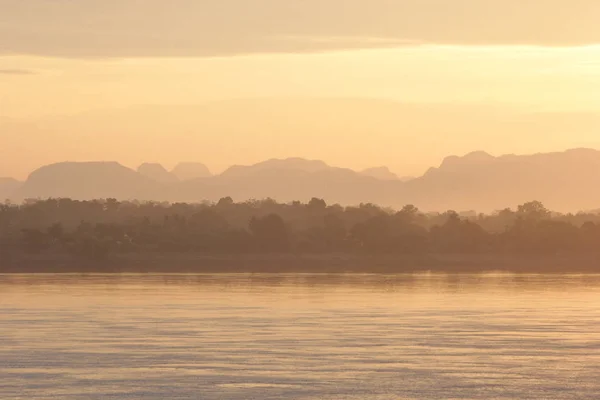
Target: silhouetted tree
[56, 232]
[34, 240]
[225, 202]
[270, 233]
[317, 204]
[533, 211]
[96, 229]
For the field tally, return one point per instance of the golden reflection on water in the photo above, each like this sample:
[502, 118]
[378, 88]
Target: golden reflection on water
[299, 336]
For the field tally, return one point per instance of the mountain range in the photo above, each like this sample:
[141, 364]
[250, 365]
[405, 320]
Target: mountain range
[564, 181]
[358, 132]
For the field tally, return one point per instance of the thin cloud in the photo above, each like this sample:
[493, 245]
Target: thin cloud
[206, 28]
[16, 71]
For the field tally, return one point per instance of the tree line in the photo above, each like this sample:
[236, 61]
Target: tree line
[100, 228]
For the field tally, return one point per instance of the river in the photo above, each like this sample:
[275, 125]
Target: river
[489, 336]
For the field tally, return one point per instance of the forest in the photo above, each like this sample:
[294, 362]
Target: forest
[99, 229]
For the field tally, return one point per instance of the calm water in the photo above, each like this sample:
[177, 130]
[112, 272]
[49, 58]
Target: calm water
[299, 337]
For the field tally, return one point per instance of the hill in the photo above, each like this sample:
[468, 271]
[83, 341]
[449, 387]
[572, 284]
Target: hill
[358, 133]
[564, 181]
[382, 173]
[567, 181]
[8, 187]
[186, 171]
[88, 180]
[157, 173]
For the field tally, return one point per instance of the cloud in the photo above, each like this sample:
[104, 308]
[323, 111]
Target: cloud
[159, 28]
[16, 72]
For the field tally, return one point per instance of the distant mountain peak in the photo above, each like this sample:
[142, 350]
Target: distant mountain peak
[8, 186]
[479, 155]
[382, 173]
[583, 151]
[151, 166]
[474, 157]
[295, 163]
[156, 172]
[7, 180]
[292, 163]
[567, 180]
[187, 171]
[87, 180]
[78, 166]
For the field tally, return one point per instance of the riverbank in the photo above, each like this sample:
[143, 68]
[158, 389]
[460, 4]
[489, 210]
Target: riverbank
[327, 263]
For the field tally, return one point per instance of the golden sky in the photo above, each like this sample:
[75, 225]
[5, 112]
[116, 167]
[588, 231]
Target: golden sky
[65, 57]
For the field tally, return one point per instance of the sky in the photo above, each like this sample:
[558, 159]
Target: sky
[67, 58]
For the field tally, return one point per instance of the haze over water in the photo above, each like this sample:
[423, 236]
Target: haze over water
[299, 336]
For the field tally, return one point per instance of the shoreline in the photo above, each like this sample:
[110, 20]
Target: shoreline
[290, 263]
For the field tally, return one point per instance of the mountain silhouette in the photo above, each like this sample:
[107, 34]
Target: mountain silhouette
[406, 137]
[568, 181]
[157, 173]
[88, 180]
[186, 171]
[382, 173]
[8, 186]
[284, 180]
[289, 164]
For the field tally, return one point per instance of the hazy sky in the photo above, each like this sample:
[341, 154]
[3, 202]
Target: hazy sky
[70, 56]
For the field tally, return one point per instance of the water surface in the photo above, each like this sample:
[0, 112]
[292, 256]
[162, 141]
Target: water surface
[299, 337]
